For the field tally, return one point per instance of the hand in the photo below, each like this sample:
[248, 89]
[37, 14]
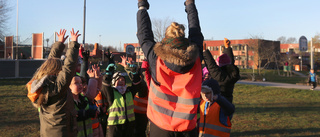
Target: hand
[96, 70]
[189, 2]
[215, 96]
[143, 3]
[61, 35]
[123, 61]
[90, 73]
[86, 54]
[74, 36]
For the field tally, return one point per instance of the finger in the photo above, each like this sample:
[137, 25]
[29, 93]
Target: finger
[67, 36]
[72, 30]
[57, 33]
[77, 32]
[60, 31]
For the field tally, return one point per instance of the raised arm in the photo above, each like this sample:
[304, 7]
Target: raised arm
[195, 35]
[144, 32]
[68, 70]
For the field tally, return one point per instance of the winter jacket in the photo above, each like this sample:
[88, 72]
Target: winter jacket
[226, 75]
[178, 63]
[57, 113]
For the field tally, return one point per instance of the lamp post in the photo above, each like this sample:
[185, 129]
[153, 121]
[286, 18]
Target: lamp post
[47, 40]
[300, 57]
[84, 22]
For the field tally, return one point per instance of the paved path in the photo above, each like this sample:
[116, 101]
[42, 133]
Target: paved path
[273, 84]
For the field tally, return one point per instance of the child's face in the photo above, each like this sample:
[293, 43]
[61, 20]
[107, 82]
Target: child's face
[120, 82]
[311, 70]
[206, 96]
[76, 85]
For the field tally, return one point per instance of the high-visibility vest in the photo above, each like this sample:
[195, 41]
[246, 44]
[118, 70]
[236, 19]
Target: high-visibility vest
[87, 131]
[99, 103]
[117, 110]
[173, 105]
[140, 104]
[210, 124]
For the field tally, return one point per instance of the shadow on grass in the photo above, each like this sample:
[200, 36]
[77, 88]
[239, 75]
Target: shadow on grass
[19, 122]
[13, 96]
[270, 132]
[20, 81]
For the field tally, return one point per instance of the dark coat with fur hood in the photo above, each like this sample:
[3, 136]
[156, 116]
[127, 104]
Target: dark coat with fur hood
[178, 60]
[226, 75]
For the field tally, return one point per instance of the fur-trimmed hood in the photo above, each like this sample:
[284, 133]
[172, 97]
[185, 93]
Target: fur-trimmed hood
[177, 56]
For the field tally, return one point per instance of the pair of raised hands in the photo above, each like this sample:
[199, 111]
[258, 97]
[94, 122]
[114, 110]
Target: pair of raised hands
[94, 72]
[62, 35]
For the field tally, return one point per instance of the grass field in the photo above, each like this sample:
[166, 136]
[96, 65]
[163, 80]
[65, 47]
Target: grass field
[260, 111]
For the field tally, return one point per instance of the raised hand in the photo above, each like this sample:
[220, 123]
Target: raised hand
[96, 70]
[61, 35]
[74, 36]
[123, 61]
[90, 73]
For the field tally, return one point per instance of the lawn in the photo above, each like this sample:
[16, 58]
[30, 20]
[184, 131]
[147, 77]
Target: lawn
[273, 76]
[260, 111]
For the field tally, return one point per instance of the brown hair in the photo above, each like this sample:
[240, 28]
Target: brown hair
[52, 66]
[175, 30]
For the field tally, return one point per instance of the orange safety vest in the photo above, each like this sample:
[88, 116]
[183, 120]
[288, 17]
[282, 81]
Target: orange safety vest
[140, 104]
[173, 105]
[212, 126]
[99, 103]
[33, 96]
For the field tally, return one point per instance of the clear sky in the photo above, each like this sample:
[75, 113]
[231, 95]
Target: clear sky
[115, 20]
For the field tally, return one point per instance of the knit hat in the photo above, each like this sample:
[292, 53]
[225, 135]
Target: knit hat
[213, 85]
[204, 72]
[223, 60]
[226, 42]
[176, 43]
[115, 77]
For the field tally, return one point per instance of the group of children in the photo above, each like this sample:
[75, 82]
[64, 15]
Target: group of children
[169, 95]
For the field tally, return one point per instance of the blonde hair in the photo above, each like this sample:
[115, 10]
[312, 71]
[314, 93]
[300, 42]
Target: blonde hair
[175, 30]
[52, 66]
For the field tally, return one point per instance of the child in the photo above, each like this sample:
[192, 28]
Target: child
[312, 79]
[48, 89]
[215, 111]
[223, 70]
[120, 99]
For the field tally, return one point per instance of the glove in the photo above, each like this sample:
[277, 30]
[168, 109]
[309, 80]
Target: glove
[143, 3]
[86, 55]
[109, 57]
[188, 2]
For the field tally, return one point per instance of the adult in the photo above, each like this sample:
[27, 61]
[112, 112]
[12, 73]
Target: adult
[175, 65]
[223, 70]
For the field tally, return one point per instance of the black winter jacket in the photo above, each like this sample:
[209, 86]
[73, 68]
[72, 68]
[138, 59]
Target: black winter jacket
[226, 75]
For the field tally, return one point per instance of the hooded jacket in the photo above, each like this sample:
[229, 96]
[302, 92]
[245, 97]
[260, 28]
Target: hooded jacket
[226, 75]
[177, 62]
[57, 113]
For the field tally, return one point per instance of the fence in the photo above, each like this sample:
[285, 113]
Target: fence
[21, 68]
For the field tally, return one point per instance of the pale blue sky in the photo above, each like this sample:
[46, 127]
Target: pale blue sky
[115, 20]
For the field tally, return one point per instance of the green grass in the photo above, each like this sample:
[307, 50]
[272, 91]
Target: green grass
[272, 76]
[260, 111]
[268, 111]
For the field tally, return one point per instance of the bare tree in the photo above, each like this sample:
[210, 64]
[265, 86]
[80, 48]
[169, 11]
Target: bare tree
[264, 51]
[4, 9]
[159, 27]
[284, 40]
